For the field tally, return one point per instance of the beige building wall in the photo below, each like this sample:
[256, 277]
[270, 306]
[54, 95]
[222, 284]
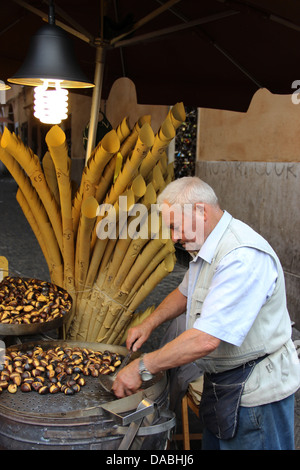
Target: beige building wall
[268, 132]
[252, 160]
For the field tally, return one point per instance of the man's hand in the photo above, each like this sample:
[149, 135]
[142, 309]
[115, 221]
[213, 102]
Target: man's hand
[128, 380]
[137, 335]
[171, 307]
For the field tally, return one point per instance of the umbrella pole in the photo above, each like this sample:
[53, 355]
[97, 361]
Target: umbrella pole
[98, 80]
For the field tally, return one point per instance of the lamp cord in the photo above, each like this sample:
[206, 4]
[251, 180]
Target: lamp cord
[51, 17]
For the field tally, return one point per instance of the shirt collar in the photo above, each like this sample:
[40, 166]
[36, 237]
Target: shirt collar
[208, 248]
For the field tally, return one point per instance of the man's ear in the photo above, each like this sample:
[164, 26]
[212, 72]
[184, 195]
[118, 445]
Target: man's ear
[200, 207]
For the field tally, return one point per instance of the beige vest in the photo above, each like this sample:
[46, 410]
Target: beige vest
[270, 333]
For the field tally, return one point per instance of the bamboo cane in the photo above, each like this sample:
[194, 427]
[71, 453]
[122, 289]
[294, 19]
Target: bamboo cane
[39, 213]
[162, 270]
[144, 142]
[129, 143]
[50, 175]
[153, 253]
[177, 114]
[88, 215]
[21, 199]
[56, 141]
[157, 259]
[134, 320]
[100, 246]
[158, 179]
[30, 162]
[162, 139]
[139, 190]
[123, 129]
[112, 276]
[93, 171]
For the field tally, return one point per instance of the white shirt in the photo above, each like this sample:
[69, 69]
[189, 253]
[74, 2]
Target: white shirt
[243, 281]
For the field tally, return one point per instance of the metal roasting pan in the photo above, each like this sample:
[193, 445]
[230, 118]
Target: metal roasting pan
[88, 402]
[11, 329]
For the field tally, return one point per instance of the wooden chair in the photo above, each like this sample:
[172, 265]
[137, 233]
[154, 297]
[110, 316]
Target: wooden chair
[190, 400]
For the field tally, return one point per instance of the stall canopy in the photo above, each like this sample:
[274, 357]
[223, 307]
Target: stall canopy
[206, 53]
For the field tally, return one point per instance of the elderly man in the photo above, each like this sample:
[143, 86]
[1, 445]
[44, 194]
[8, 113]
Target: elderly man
[238, 328]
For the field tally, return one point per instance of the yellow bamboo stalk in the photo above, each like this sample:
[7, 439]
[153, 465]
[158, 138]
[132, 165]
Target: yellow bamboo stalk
[139, 190]
[108, 322]
[126, 320]
[131, 140]
[163, 164]
[177, 115]
[87, 220]
[50, 175]
[157, 259]
[39, 213]
[106, 180]
[170, 173]
[162, 270]
[134, 320]
[153, 253]
[144, 142]
[123, 129]
[96, 308]
[158, 179]
[107, 147]
[57, 145]
[30, 162]
[21, 199]
[100, 246]
[131, 254]
[88, 215]
[162, 139]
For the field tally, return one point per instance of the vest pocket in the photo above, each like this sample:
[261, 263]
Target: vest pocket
[198, 298]
[253, 381]
[199, 295]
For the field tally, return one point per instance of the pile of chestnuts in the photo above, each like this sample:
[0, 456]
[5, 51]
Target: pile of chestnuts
[53, 370]
[26, 301]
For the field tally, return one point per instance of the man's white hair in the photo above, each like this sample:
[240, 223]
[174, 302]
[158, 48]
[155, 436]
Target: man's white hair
[189, 189]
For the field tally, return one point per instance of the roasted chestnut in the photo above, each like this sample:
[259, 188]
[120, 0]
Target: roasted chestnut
[12, 388]
[25, 387]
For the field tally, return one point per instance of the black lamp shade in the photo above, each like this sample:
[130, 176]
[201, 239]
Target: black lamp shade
[51, 56]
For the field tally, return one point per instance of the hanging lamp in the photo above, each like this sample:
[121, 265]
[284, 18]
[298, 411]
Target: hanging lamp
[51, 67]
[4, 86]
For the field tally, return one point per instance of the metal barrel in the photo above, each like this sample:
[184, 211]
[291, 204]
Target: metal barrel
[90, 420]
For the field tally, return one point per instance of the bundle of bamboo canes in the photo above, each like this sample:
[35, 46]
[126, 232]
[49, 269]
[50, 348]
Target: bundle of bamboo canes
[100, 256]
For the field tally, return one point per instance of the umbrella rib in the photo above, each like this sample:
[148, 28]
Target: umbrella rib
[121, 49]
[226, 54]
[44, 17]
[146, 19]
[236, 64]
[172, 29]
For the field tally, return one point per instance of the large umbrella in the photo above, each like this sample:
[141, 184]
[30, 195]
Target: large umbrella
[214, 53]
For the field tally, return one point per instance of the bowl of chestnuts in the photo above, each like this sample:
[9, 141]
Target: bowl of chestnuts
[31, 306]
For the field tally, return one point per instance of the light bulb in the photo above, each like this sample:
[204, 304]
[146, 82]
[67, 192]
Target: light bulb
[50, 104]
